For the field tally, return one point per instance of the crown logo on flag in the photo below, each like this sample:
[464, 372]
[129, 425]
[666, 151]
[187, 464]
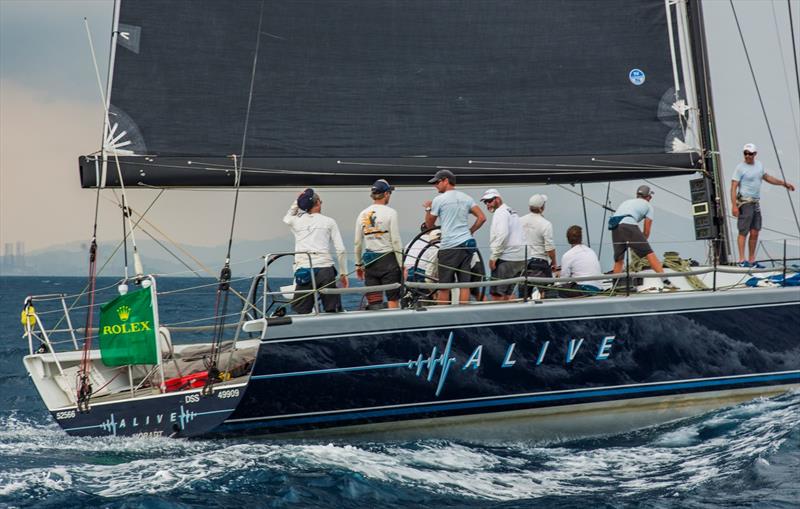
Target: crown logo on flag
[124, 312]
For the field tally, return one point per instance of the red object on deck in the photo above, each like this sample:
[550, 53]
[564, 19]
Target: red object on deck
[184, 382]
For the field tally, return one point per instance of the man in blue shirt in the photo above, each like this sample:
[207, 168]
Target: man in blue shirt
[452, 208]
[745, 196]
[625, 233]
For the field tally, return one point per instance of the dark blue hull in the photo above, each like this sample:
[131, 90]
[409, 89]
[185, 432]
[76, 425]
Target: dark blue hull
[415, 371]
[177, 414]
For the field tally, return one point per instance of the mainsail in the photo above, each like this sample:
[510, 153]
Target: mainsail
[313, 92]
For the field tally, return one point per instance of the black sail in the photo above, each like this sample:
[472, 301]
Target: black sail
[346, 91]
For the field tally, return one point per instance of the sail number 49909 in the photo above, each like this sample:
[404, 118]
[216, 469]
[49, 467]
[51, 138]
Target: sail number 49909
[228, 393]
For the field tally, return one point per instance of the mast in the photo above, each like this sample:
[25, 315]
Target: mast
[708, 132]
[106, 120]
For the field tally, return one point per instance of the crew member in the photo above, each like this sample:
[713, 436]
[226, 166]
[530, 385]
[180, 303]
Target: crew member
[452, 208]
[745, 196]
[538, 233]
[313, 234]
[506, 242]
[379, 251]
[625, 232]
[580, 261]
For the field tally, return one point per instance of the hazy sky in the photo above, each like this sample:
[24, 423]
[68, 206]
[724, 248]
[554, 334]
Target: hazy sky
[50, 113]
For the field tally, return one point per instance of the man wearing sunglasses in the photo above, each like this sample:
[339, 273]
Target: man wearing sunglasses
[745, 196]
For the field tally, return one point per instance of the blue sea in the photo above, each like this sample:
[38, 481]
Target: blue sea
[741, 456]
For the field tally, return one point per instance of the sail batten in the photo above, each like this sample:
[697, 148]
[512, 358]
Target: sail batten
[378, 84]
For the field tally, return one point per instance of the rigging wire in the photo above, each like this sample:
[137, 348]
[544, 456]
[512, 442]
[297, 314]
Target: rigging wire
[764, 111]
[603, 224]
[221, 306]
[794, 50]
[795, 125]
[585, 217]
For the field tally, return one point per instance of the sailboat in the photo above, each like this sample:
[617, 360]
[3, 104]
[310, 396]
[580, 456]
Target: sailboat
[279, 93]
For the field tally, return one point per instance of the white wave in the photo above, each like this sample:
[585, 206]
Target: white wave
[672, 459]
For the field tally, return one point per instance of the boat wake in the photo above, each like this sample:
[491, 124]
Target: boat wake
[752, 444]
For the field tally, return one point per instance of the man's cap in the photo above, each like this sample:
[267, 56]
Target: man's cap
[490, 194]
[306, 200]
[537, 201]
[443, 174]
[382, 186]
[644, 190]
[750, 147]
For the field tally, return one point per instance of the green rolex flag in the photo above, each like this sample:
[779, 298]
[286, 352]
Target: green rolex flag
[127, 331]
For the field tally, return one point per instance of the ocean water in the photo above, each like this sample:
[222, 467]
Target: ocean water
[746, 455]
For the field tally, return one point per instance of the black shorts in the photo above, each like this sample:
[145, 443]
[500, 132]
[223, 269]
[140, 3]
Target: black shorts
[325, 277]
[454, 264]
[384, 271]
[626, 235]
[506, 269]
[749, 217]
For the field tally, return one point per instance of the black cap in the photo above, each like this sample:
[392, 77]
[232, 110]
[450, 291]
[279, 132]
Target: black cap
[443, 174]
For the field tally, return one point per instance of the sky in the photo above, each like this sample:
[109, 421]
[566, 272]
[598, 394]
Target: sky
[51, 112]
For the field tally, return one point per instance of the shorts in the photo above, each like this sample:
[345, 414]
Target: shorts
[478, 274]
[454, 263]
[384, 271]
[324, 277]
[506, 269]
[536, 267]
[629, 235]
[749, 217]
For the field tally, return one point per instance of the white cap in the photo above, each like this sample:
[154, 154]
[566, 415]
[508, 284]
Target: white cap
[537, 201]
[490, 194]
[750, 147]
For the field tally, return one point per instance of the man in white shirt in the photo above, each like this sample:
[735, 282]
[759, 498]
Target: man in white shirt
[422, 256]
[453, 208]
[506, 243]
[379, 251]
[314, 234]
[580, 261]
[538, 233]
[745, 196]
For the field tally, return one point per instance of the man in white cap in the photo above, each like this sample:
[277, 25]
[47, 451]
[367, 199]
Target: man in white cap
[314, 233]
[379, 250]
[506, 242]
[538, 233]
[745, 196]
[625, 232]
[452, 208]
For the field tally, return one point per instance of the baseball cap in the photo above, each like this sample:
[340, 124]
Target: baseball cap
[750, 147]
[306, 200]
[443, 174]
[382, 186]
[490, 194]
[644, 191]
[537, 200]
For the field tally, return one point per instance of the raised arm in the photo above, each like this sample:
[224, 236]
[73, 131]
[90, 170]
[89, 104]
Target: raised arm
[291, 214]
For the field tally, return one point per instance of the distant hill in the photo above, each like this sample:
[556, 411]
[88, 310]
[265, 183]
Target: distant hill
[72, 259]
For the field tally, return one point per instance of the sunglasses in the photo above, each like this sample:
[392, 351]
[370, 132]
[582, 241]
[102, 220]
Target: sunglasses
[749, 153]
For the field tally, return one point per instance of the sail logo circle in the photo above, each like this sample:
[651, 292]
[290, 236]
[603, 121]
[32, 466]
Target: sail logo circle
[636, 76]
